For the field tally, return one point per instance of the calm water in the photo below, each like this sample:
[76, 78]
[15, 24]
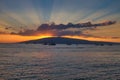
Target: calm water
[60, 62]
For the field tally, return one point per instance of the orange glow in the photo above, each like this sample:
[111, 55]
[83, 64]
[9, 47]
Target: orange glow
[95, 39]
[7, 38]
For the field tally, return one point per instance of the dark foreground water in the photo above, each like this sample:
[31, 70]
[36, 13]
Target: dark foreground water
[60, 62]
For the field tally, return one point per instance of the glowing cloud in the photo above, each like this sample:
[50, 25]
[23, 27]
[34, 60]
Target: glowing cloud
[62, 29]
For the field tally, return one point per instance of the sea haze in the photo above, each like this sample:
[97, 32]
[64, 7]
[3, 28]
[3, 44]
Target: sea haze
[59, 62]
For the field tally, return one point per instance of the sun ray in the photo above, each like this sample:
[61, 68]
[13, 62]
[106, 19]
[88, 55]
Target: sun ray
[22, 15]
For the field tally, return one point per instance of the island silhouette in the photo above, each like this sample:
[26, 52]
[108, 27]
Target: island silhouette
[68, 41]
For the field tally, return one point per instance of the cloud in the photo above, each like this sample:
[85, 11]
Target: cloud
[27, 32]
[63, 29]
[1, 32]
[66, 33]
[71, 25]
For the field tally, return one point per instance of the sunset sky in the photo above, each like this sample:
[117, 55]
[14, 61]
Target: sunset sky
[96, 20]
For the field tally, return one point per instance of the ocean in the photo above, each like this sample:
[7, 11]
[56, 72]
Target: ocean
[59, 62]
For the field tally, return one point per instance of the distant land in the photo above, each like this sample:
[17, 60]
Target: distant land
[68, 41]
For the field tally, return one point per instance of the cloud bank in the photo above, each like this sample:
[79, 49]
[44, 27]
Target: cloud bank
[62, 29]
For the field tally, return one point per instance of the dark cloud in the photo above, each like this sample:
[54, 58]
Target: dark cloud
[7, 28]
[27, 32]
[62, 29]
[115, 37]
[1, 32]
[71, 25]
[66, 33]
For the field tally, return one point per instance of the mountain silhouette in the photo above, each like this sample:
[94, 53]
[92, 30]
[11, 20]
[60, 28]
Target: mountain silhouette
[62, 40]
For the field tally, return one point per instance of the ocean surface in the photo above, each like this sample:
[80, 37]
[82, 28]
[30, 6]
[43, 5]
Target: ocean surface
[59, 62]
